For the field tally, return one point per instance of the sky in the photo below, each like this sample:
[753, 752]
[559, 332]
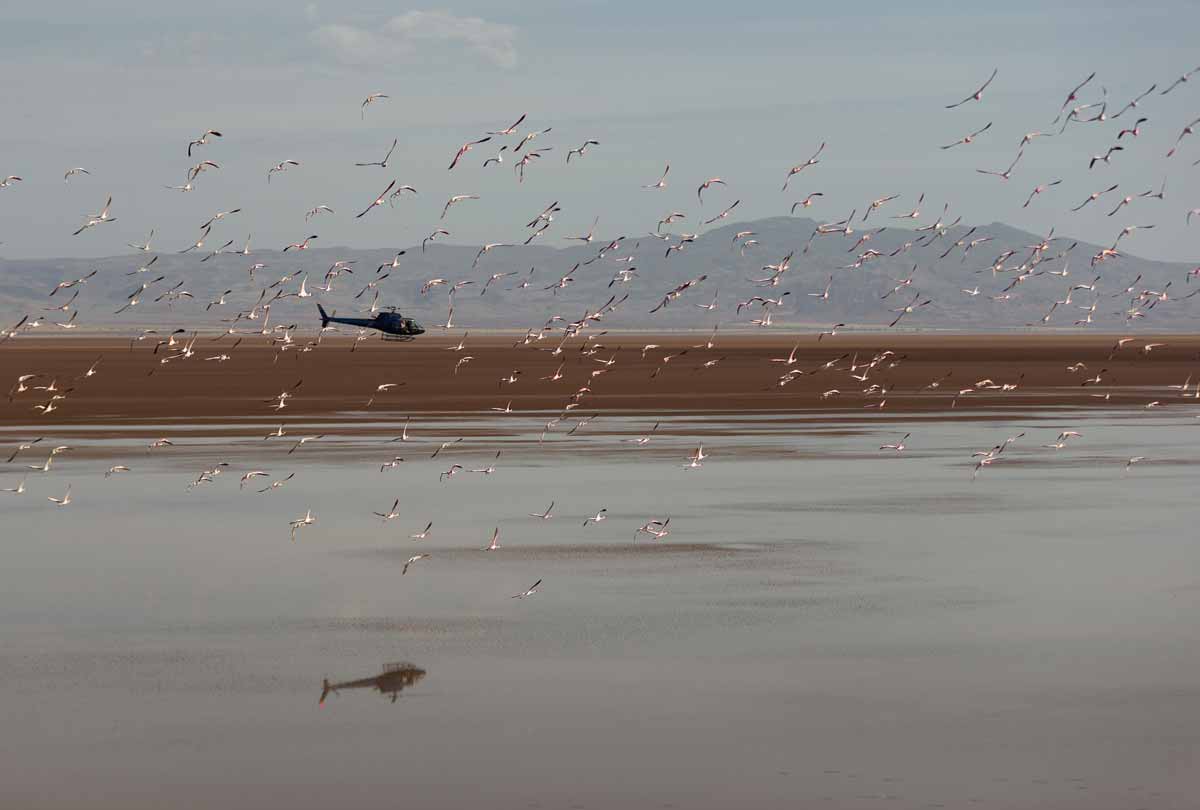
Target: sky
[739, 92]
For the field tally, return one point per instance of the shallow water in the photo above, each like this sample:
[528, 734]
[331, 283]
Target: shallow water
[825, 622]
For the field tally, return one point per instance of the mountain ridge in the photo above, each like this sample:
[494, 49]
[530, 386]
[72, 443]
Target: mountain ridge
[862, 295]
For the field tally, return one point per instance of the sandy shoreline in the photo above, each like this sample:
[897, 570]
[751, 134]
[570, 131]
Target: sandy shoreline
[131, 382]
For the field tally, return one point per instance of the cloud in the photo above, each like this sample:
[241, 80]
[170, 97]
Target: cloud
[416, 33]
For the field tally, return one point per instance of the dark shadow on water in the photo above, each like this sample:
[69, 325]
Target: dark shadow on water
[394, 679]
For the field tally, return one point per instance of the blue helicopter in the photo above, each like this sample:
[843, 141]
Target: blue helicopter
[393, 325]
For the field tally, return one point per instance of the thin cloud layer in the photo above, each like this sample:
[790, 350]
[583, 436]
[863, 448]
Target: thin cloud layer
[409, 35]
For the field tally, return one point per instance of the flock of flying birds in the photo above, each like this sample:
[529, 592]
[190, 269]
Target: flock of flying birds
[519, 147]
[1084, 105]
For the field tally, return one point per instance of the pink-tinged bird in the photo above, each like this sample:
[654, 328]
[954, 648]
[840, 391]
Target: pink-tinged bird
[466, 147]
[1188, 130]
[968, 138]
[978, 94]
[378, 201]
[812, 161]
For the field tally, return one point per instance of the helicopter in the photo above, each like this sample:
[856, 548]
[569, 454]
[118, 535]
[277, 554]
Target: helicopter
[393, 325]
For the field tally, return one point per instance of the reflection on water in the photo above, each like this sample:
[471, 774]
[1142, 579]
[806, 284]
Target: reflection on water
[394, 679]
[826, 624]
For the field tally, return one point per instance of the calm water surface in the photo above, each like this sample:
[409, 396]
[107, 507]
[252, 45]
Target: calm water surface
[826, 624]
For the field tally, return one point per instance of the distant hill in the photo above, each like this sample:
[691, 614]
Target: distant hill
[855, 295]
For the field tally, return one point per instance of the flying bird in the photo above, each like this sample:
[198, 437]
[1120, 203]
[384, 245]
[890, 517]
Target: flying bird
[544, 515]
[495, 543]
[455, 200]
[1135, 130]
[1188, 130]
[705, 185]
[391, 513]
[968, 138]
[662, 181]
[1073, 95]
[203, 140]
[1179, 81]
[371, 99]
[1106, 156]
[511, 129]
[978, 94]
[528, 591]
[378, 201]
[1133, 104]
[412, 560]
[281, 167]
[466, 147]
[307, 520]
[300, 245]
[723, 214]
[382, 163]
[529, 136]
[581, 149]
[1004, 175]
[1095, 195]
[812, 161]
[1038, 190]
